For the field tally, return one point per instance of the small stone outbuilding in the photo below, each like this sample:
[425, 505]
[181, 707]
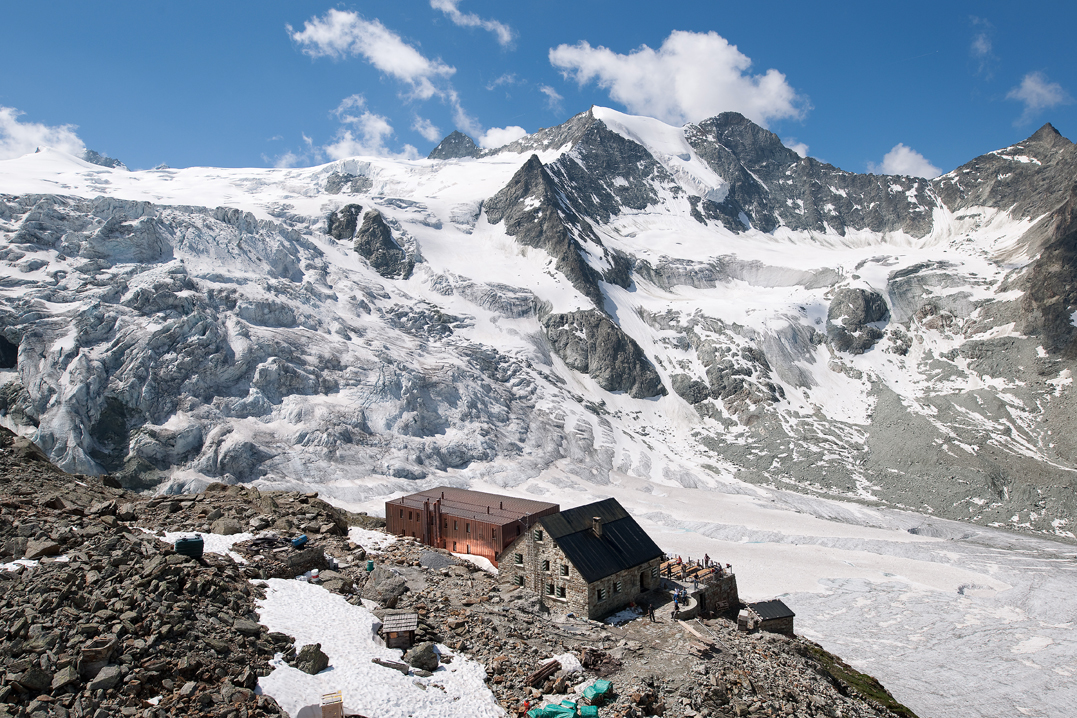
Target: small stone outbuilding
[591, 560]
[770, 616]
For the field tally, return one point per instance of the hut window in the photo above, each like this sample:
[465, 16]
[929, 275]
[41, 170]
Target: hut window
[455, 525]
[409, 516]
[654, 572]
[493, 534]
[601, 595]
[538, 535]
[401, 513]
[453, 545]
[564, 569]
[545, 565]
[549, 589]
[560, 591]
[518, 559]
[446, 524]
[616, 586]
[467, 528]
[518, 580]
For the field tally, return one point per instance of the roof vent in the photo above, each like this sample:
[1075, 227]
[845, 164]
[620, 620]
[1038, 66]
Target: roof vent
[596, 526]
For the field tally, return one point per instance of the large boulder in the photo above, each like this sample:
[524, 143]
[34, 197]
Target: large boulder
[422, 656]
[310, 659]
[375, 242]
[384, 587]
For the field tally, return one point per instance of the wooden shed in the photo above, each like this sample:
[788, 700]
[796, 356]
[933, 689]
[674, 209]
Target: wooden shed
[398, 630]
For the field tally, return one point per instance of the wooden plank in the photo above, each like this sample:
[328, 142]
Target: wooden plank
[539, 677]
[694, 632]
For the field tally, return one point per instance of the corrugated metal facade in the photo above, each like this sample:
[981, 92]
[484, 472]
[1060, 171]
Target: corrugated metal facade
[464, 521]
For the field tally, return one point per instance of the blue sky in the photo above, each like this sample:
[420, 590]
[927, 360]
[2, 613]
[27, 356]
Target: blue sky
[911, 86]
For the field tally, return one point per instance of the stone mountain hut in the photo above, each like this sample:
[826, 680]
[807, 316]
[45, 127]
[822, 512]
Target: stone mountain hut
[591, 560]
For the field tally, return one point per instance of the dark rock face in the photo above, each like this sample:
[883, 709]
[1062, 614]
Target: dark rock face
[374, 241]
[534, 214]
[773, 186]
[589, 342]
[342, 223]
[339, 182]
[605, 173]
[97, 158]
[1029, 179]
[1050, 298]
[850, 318]
[455, 146]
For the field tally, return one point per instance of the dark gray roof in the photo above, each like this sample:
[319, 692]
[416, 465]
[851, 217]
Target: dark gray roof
[770, 610]
[623, 544]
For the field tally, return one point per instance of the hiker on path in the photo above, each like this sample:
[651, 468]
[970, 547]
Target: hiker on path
[706, 560]
[650, 612]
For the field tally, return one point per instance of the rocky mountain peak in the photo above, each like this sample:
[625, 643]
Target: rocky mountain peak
[1048, 135]
[455, 146]
[752, 144]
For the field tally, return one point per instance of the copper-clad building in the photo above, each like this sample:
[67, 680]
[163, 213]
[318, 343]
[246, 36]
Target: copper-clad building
[464, 521]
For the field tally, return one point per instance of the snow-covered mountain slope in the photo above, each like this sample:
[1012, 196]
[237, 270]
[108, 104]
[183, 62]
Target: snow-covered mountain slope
[612, 297]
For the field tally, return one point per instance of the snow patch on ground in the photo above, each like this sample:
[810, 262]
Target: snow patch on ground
[481, 561]
[347, 635]
[372, 541]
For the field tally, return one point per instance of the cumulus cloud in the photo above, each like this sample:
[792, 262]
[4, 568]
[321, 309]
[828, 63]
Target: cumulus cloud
[904, 160]
[339, 34]
[500, 136]
[21, 138]
[1037, 94]
[799, 147]
[553, 98]
[362, 132]
[503, 32]
[426, 128]
[692, 76]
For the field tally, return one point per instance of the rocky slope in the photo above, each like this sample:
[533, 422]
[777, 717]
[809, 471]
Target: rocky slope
[103, 618]
[549, 308]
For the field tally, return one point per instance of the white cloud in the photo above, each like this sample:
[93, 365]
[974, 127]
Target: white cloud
[508, 78]
[904, 160]
[500, 136]
[553, 98]
[340, 33]
[288, 159]
[426, 128]
[1037, 94]
[503, 32]
[362, 133]
[799, 147]
[21, 138]
[981, 50]
[692, 76]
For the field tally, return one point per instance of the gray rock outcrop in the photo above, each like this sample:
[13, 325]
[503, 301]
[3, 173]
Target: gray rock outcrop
[423, 656]
[590, 343]
[374, 241]
[853, 320]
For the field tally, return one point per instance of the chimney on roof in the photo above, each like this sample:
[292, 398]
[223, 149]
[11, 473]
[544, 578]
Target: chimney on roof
[502, 505]
[487, 509]
[596, 526]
